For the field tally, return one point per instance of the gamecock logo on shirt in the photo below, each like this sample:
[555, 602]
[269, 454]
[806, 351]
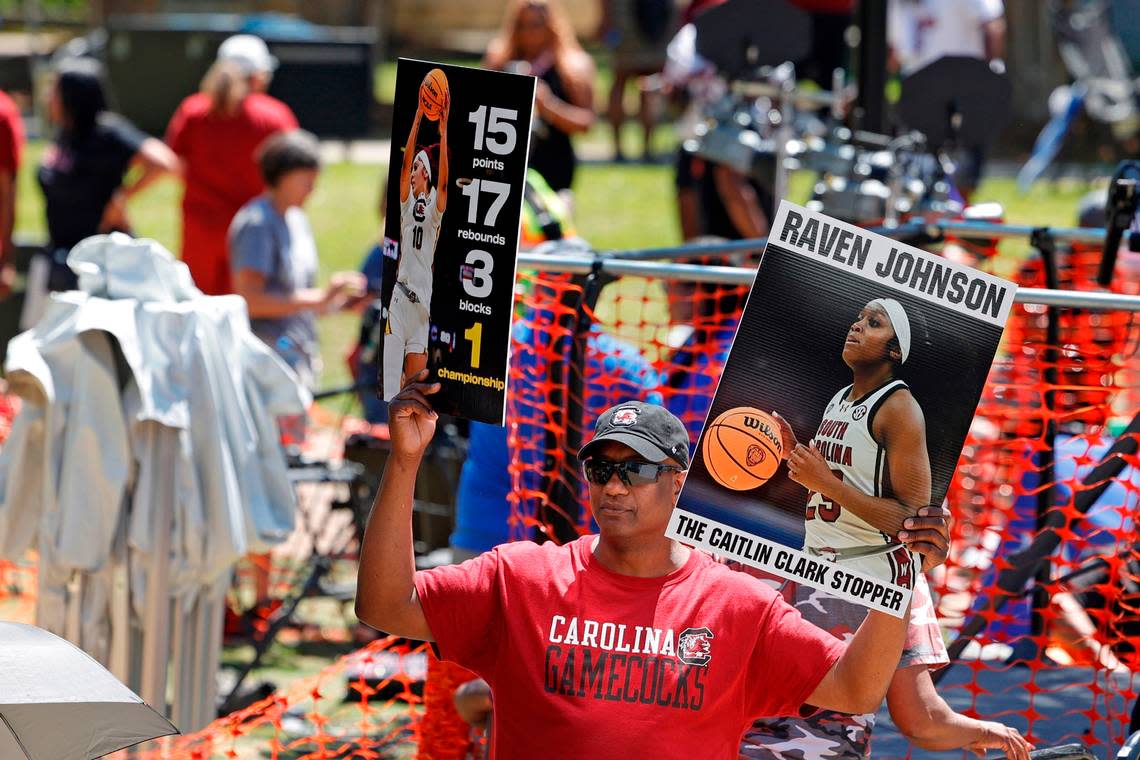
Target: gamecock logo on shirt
[694, 646]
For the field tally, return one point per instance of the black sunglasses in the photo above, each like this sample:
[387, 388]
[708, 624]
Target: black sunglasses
[632, 473]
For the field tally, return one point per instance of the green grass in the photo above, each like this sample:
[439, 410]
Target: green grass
[618, 206]
[626, 206]
[343, 213]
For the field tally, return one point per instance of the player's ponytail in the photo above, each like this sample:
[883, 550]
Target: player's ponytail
[226, 85]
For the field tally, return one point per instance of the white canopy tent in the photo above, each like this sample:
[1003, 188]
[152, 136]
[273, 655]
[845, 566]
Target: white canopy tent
[143, 464]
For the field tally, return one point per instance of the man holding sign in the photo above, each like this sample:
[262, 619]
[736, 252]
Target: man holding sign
[422, 204]
[626, 628]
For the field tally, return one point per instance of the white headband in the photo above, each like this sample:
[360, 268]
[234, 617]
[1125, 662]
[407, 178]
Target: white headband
[899, 321]
[423, 156]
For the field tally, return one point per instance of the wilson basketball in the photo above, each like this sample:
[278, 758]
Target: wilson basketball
[432, 92]
[742, 448]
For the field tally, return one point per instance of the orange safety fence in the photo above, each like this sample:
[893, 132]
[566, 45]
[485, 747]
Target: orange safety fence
[18, 589]
[581, 345]
[17, 574]
[328, 715]
[578, 351]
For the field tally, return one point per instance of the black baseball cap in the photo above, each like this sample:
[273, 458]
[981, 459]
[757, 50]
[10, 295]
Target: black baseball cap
[650, 430]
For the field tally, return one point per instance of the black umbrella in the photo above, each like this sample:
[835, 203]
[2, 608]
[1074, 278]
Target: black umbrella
[957, 100]
[742, 34]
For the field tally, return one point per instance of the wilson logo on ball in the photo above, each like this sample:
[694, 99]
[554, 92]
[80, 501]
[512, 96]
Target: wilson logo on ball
[432, 92]
[759, 424]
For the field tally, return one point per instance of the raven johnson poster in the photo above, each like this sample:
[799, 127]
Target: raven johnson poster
[842, 409]
[455, 191]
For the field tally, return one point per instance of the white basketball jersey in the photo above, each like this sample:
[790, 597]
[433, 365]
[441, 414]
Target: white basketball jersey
[844, 437]
[419, 233]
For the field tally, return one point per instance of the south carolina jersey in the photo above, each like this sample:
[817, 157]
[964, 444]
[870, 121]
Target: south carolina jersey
[844, 438]
[419, 232]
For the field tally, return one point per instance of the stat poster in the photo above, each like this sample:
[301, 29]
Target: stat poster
[843, 408]
[454, 199]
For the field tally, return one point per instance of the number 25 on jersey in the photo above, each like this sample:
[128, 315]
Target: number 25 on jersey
[817, 503]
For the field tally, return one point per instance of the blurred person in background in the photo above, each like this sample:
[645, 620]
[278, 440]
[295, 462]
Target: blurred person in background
[216, 132]
[712, 199]
[11, 150]
[922, 31]
[274, 260]
[637, 32]
[274, 256]
[537, 39]
[83, 169]
[829, 22]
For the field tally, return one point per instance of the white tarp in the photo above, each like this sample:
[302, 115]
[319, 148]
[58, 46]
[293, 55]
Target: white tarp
[145, 403]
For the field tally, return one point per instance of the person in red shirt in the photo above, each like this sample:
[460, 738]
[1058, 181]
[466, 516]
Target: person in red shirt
[11, 150]
[216, 133]
[625, 641]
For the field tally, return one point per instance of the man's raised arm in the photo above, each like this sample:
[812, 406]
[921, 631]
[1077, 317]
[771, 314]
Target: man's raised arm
[859, 679]
[385, 591]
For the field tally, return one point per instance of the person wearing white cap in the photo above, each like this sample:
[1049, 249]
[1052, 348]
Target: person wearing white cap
[867, 469]
[423, 199]
[249, 52]
[216, 133]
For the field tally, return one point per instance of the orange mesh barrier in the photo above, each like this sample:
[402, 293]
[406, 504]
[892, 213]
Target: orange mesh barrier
[579, 347]
[1049, 414]
[325, 716]
[1082, 390]
[574, 355]
[443, 734]
[17, 575]
[18, 589]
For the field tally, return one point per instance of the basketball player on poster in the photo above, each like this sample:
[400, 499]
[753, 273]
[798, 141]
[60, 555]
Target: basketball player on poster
[868, 468]
[423, 199]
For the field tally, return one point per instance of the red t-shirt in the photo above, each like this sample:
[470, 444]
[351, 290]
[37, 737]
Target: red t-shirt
[217, 151]
[580, 658]
[11, 135]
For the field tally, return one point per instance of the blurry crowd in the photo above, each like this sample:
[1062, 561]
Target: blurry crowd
[247, 169]
[651, 46]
